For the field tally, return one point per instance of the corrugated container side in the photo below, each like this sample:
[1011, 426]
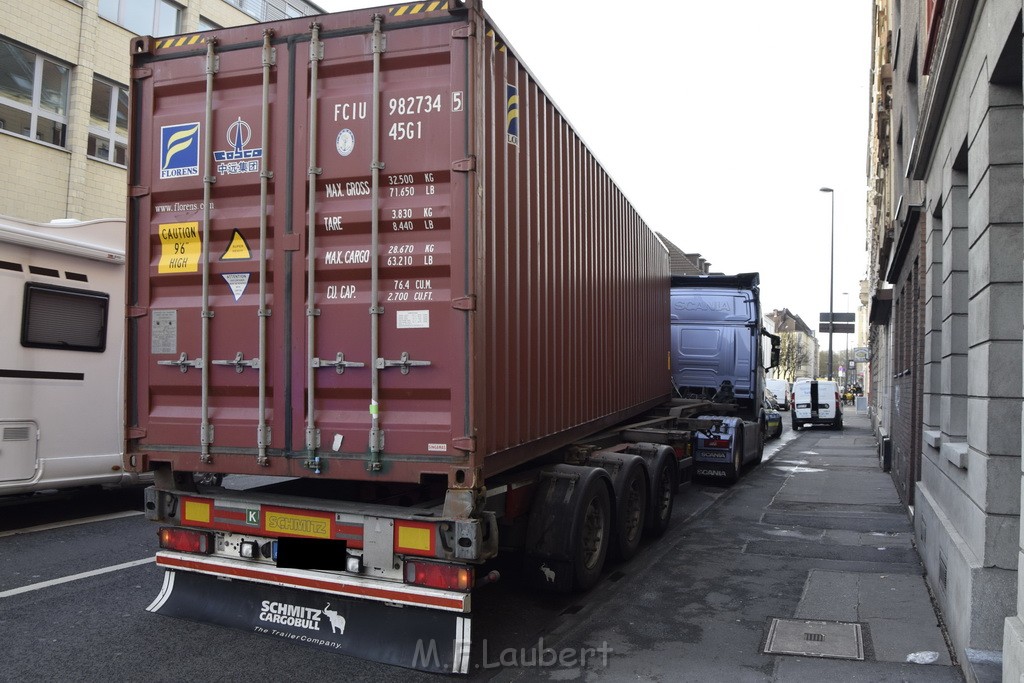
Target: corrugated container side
[575, 285]
[522, 303]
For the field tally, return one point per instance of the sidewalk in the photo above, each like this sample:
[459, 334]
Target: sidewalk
[806, 549]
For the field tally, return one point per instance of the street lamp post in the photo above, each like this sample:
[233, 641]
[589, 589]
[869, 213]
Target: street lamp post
[831, 275]
[846, 360]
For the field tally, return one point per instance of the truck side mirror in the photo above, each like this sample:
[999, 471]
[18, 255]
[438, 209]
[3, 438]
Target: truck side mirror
[776, 353]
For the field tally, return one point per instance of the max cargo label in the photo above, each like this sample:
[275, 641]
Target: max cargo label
[180, 247]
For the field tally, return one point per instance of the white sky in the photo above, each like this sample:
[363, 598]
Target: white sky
[720, 121]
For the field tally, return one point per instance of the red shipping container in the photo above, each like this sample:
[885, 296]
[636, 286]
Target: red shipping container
[375, 249]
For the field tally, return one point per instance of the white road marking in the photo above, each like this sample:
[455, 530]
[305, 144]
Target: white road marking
[73, 522]
[75, 577]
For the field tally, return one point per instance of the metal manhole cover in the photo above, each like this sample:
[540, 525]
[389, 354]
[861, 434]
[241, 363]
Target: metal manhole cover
[832, 639]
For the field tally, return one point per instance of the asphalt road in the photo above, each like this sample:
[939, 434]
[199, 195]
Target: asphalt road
[77, 575]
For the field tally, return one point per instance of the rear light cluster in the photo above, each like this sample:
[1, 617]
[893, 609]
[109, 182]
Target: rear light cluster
[436, 575]
[186, 540]
[716, 443]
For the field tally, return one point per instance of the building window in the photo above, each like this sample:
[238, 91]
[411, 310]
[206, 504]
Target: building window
[143, 17]
[33, 94]
[273, 10]
[63, 318]
[108, 122]
[207, 25]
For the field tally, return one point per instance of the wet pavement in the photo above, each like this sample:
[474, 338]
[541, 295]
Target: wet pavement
[803, 571]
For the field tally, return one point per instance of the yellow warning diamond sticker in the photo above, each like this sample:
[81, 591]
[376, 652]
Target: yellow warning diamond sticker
[238, 249]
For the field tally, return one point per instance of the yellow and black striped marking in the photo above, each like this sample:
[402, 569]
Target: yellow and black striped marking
[418, 8]
[177, 41]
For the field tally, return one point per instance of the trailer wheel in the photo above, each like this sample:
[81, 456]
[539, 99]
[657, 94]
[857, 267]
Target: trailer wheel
[631, 511]
[664, 472]
[592, 524]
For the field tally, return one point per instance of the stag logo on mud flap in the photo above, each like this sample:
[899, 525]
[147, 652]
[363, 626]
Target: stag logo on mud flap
[179, 150]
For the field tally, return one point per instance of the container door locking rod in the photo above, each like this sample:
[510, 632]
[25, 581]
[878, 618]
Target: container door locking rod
[262, 429]
[206, 429]
[316, 53]
[376, 310]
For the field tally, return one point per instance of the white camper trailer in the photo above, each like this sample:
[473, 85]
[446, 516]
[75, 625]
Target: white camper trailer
[61, 354]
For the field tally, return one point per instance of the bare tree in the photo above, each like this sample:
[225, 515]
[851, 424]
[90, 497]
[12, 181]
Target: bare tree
[793, 356]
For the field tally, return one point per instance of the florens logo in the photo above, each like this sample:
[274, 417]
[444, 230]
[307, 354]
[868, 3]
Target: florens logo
[512, 114]
[179, 151]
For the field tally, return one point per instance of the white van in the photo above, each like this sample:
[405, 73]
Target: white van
[816, 403]
[780, 388]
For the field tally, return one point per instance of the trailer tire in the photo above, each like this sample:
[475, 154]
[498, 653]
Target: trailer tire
[592, 525]
[664, 475]
[631, 507]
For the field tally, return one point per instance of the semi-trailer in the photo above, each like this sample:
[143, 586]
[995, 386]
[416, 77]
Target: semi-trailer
[369, 258]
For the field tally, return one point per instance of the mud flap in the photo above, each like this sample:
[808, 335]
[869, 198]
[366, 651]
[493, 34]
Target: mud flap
[412, 637]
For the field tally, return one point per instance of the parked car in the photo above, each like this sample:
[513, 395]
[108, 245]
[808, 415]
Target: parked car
[816, 403]
[772, 417]
[780, 389]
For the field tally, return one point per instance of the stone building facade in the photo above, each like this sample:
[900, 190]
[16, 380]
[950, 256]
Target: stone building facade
[945, 207]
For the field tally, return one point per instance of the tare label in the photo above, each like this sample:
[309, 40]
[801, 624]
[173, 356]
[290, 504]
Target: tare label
[180, 248]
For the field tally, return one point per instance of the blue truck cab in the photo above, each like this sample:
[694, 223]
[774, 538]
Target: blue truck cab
[720, 352]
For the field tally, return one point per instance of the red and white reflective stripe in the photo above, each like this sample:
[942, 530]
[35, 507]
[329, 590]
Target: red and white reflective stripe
[340, 584]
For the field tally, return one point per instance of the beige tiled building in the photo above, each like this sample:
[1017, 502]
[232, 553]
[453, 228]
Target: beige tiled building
[64, 75]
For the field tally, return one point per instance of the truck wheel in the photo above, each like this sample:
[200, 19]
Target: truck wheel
[592, 535]
[733, 475]
[631, 512]
[796, 426]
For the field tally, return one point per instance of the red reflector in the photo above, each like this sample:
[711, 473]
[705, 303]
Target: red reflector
[186, 540]
[717, 443]
[434, 575]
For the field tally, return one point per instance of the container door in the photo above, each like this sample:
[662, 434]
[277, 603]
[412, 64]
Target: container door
[387, 252]
[200, 384]
[364, 308]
